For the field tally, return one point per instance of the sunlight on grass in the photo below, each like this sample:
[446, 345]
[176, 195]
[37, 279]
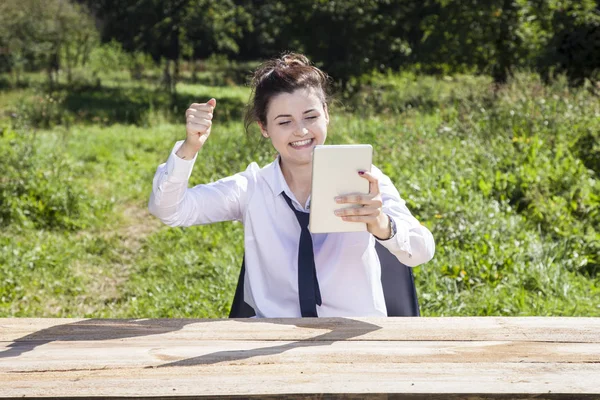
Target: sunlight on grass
[506, 180]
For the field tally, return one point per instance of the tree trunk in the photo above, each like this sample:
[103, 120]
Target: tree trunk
[175, 56]
[167, 75]
[194, 64]
[505, 58]
[53, 67]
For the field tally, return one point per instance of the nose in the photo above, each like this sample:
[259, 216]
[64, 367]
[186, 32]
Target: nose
[301, 131]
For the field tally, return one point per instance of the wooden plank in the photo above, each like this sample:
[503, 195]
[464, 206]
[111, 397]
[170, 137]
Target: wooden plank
[533, 329]
[456, 357]
[323, 378]
[142, 352]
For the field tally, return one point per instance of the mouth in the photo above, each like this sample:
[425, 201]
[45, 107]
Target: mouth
[302, 144]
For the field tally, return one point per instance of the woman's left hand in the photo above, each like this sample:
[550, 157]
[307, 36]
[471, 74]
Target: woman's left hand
[371, 211]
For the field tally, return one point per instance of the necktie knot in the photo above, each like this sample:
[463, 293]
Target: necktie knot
[303, 220]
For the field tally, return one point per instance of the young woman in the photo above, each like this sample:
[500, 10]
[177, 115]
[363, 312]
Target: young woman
[288, 271]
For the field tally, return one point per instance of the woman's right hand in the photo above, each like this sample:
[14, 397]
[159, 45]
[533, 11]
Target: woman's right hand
[198, 122]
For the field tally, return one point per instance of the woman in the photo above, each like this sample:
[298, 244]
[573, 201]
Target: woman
[343, 276]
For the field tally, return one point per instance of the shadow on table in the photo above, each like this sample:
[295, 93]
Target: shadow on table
[110, 329]
[94, 329]
[351, 328]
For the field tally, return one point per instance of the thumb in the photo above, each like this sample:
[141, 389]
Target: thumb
[212, 102]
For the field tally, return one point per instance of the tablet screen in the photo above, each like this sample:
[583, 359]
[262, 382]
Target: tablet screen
[335, 173]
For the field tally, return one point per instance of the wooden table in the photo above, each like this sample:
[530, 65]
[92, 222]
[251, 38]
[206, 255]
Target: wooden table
[441, 358]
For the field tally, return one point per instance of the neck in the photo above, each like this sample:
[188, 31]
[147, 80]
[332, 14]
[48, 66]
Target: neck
[298, 178]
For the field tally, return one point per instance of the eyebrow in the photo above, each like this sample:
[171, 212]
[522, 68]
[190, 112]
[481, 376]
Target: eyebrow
[289, 116]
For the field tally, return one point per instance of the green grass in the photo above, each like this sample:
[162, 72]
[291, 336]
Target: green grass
[506, 180]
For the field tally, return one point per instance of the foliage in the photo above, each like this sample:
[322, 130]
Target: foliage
[574, 48]
[51, 34]
[542, 145]
[112, 57]
[352, 38]
[347, 38]
[506, 178]
[173, 30]
[37, 189]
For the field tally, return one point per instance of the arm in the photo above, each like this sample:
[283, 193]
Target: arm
[413, 243]
[176, 205]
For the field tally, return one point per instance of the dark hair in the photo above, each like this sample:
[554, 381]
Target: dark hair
[286, 74]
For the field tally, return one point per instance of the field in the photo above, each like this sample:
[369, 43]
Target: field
[507, 179]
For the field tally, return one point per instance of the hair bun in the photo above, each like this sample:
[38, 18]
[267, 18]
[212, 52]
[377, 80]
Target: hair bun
[295, 59]
[285, 74]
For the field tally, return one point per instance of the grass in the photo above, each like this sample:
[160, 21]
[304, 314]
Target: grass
[507, 181]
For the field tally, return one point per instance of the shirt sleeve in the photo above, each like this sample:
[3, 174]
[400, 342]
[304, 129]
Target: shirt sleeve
[177, 205]
[413, 243]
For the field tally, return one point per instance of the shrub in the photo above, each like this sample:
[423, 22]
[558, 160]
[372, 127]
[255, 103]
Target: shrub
[38, 188]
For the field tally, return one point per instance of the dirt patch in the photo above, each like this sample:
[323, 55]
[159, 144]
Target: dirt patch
[139, 223]
[106, 273]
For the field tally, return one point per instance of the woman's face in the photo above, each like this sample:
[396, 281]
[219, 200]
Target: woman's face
[296, 123]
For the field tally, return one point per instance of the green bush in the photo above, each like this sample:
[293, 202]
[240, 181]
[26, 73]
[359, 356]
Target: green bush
[110, 58]
[505, 177]
[44, 110]
[39, 188]
[387, 93]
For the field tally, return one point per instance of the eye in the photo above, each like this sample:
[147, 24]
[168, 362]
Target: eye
[284, 123]
[313, 117]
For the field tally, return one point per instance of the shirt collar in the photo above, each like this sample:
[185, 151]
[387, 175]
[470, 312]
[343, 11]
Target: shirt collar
[273, 175]
[274, 178]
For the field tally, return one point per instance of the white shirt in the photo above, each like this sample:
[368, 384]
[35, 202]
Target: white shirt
[347, 264]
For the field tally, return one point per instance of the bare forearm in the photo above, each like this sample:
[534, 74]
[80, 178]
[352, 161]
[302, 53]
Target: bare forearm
[186, 152]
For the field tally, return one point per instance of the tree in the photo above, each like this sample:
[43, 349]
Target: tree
[172, 29]
[574, 45]
[50, 34]
[347, 38]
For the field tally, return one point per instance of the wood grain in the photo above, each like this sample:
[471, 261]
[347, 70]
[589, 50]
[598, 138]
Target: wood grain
[454, 358]
[215, 380]
[537, 329]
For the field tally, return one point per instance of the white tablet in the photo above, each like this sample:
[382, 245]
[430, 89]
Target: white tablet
[334, 173]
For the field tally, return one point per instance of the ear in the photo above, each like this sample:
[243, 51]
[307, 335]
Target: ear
[262, 129]
[326, 111]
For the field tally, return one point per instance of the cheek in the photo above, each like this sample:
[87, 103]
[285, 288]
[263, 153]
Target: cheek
[322, 128]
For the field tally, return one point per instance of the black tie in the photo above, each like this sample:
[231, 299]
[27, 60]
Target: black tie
[308, 285]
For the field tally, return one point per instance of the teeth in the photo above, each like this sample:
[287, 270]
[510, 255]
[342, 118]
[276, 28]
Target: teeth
[301, 143]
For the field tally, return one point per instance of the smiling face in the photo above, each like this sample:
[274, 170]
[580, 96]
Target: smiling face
[296, 122]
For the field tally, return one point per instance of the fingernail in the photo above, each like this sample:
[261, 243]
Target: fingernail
[337, 212]
[338, 199]
[361, 172]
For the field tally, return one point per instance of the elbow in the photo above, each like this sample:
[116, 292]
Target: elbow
[161, 214]
[429, 250]
[153, 208]
[423, 251]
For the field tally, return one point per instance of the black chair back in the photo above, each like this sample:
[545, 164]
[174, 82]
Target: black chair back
[397, 280]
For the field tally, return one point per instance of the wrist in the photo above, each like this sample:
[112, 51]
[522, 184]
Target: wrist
[186, 151]
[386, 228]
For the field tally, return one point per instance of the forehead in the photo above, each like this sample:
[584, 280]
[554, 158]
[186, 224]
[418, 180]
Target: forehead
[298, 101]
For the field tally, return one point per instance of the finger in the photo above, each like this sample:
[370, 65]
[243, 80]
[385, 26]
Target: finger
[197, 128]
[354, 199]
[368, 219]
[212, 102]
[190, 112]
[373, 182]
[202, 121]
[202, 107]
[352, 211]
[375, 202]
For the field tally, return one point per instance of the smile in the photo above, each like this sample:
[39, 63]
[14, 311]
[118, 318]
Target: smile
[302, 143]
